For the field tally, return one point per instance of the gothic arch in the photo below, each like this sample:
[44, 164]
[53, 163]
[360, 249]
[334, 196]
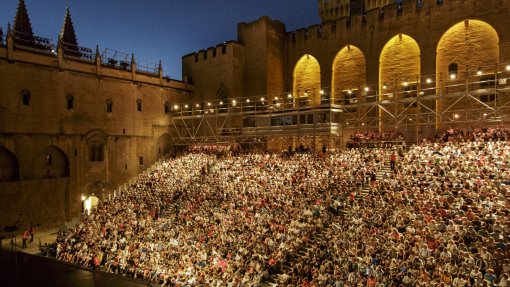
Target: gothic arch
[96, 142]
[50, 162]
[307, 81]
[349, 71]
[399, 62]
[9, 167]
[164, 145]
[469, 44]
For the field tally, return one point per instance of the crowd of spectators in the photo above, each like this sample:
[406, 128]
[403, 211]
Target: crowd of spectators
[439, 218]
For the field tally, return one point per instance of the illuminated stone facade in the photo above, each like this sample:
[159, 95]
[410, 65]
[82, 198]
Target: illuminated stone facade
[368, 53]
[76, 121]
[73, 123]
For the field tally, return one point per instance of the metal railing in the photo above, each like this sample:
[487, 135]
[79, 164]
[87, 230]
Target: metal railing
[78, 51]
[33, 41]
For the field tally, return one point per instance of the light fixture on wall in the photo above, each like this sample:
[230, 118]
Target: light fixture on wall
[508, 67]
[262, 99]
[289, 96]
[186, 106]
[176, 107]
[429, 80]
[479, 71]
[367, 89]
[384, 86]
[453, 76]
[405, 83]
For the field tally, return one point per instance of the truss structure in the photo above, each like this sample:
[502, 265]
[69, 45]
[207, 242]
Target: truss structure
[415, 110]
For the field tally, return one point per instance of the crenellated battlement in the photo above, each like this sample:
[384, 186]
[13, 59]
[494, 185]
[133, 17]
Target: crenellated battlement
[391, 14]
[219, 50]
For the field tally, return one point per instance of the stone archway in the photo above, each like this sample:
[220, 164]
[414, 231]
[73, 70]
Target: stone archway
[50, 162]
[307, 81]
[349, 73]
[164, 145]
[469, 44]
[467, 52]
[9, 167]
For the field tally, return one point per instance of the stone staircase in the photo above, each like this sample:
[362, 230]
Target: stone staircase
[279, 279]
[385, 169]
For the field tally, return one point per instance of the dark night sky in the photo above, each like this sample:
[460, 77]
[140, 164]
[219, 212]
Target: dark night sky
[158, 29]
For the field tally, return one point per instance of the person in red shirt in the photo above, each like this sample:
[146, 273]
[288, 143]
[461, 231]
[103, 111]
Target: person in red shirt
[393, 160]
[24, 237]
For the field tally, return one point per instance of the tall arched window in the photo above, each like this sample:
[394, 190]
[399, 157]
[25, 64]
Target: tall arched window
[139, 105]
[96, 140]
[26, 97]
[70, 102]
[109, 106]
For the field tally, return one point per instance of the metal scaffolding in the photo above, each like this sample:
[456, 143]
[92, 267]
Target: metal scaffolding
[416, 110]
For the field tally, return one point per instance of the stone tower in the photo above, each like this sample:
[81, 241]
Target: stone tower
[67, 36]
[22, 27]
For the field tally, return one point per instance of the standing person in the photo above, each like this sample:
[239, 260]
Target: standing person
[24, 237]
[393, 159]
[31, 231]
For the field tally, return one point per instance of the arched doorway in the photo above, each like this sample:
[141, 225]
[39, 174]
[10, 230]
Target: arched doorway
[90, 204]
[164, 145]
[9, 167]
[51, 162]
[307, 81]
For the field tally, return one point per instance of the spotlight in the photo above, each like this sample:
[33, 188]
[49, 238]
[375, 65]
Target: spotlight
[322, 92]
[176, 107]
[247, 100]
[367, 89]
[262, 99]
[276, 98]
[405, 83]
[186, 106]
[479, 72]
[197, 105]
[209, 104]
[453, 76]
[429, 80]
[508, 67]
[221, 102]
[289, 96]
[456, 116]
[384, 87]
